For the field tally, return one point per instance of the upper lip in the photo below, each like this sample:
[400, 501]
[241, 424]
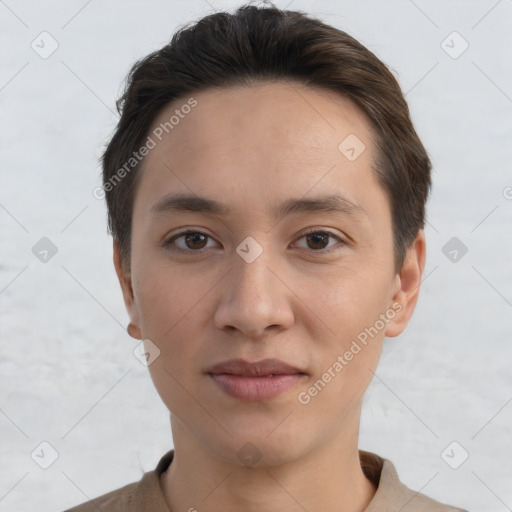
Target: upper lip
[260, 368]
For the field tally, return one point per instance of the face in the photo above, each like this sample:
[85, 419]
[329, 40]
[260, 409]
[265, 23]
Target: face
[289, 257]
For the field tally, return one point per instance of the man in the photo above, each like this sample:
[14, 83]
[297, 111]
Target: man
[266, 194]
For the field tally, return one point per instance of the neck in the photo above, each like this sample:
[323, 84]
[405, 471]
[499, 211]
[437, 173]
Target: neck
[327, 478]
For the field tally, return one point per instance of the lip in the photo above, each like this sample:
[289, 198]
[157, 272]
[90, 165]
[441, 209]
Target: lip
[258, 381]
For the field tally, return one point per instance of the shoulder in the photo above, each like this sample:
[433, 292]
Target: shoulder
[142, 496]
[118, 500]
[414, 501]
[392, 494]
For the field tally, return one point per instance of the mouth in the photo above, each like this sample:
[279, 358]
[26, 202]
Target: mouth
[254, 382]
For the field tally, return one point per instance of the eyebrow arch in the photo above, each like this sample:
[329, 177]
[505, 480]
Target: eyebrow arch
[194, 203]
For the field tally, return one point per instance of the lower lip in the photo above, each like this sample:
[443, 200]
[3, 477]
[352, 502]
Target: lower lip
[255, 389]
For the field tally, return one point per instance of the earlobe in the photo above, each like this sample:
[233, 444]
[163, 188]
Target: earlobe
[133, 328]
[407, 286]
[134, 331]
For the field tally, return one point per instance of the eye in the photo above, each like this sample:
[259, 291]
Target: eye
[318, 240]
[192, 241]
[196, 241]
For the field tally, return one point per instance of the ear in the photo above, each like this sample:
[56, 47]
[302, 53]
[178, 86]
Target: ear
[128, 296]
[407, 286]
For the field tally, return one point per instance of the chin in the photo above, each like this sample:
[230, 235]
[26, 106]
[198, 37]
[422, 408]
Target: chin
[258, 447]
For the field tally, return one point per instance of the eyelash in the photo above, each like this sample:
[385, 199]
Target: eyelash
[169, 243]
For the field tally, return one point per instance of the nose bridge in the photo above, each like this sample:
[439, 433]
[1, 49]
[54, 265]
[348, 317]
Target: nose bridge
[251, 280]
[253, 298]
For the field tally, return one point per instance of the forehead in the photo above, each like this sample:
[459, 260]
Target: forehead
[274, 113]
[267, 140]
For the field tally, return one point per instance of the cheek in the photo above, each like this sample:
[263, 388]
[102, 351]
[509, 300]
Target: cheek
[355, 313]
[166, 298]
[351, 303]
[171, 316]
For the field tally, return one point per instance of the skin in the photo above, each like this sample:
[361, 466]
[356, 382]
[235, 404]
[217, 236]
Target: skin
[252, 148]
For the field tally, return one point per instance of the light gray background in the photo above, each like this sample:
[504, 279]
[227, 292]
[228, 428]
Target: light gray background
[68, 374]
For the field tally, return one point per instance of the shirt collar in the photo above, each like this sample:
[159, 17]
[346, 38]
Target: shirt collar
[149, 497]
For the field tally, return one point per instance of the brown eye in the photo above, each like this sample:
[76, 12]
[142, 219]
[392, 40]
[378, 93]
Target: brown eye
[195, 240]
[188, 241]
[318, 240]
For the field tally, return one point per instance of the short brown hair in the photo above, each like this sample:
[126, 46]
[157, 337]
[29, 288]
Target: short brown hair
[266, 43]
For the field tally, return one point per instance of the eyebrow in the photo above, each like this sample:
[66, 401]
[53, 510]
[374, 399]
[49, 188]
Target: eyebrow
[194, 203]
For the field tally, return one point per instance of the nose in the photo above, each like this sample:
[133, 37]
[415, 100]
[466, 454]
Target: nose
[254, 299]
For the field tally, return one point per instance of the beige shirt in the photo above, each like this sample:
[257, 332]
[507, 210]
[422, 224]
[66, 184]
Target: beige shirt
[391, 496]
